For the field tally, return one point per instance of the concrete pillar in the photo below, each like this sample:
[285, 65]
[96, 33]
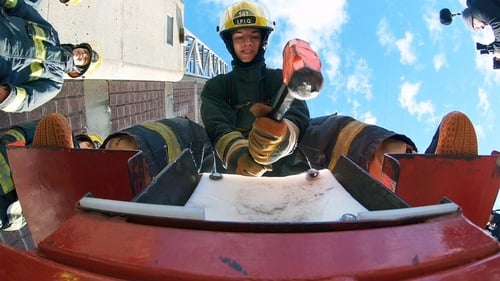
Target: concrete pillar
[97, 113]
[169, 100]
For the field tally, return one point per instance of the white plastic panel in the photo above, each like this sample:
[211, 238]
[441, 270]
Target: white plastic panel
[273, 199]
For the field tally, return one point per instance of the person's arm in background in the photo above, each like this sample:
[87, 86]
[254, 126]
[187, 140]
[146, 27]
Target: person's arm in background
[31, 95]
[488, 11]
[19, 8]
[494, 22]
[45, 81]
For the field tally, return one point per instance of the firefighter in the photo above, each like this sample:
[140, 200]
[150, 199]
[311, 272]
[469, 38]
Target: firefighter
[33, 62]
[87, 142]
[235, 107]
[162, 141]
[482, 13]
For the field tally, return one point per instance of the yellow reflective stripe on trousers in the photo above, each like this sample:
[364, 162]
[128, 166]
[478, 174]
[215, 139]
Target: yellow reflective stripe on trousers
[344, 140]
[5, 177]
[9, 4]
[21, 95]
[173, 147]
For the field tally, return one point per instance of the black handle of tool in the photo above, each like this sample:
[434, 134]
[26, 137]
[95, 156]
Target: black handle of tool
[281, 104]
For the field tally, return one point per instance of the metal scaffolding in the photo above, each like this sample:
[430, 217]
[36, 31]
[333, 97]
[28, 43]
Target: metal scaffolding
[200, 61]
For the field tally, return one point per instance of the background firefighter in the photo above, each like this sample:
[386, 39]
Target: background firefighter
[33, 62]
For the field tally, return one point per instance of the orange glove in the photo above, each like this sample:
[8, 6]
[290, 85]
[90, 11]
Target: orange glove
[270, 140]
[240, 162]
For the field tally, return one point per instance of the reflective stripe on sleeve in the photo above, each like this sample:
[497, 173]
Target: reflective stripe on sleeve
[223, 143]
[36, 71]
[9, 4]
[21, 96]
[38, 38]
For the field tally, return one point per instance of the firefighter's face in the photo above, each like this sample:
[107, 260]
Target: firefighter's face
[86, 145]
[81, 56]
[477, 24]
[123, 142]
[246, 42]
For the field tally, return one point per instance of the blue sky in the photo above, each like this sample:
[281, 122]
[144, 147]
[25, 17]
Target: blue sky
[385, 62]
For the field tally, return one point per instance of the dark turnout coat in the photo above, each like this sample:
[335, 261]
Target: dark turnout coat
[32, 60]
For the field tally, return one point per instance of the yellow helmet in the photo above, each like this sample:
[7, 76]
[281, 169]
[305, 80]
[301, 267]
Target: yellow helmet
[70, 2]
[244, 14]
[94, 62]
[96, 139]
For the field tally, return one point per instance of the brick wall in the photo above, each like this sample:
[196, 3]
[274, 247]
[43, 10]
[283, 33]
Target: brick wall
[135, 102]
[186, 99]
[130, 102]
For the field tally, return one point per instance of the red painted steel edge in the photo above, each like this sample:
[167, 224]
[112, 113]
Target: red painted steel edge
[20, 265]
[111, 246]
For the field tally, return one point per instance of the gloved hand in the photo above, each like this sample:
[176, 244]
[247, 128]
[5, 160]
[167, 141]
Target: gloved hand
[240, 162]
[270, 140]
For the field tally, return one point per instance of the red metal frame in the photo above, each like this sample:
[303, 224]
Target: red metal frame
[53, 180]
[84, 245]
[472, 182]
[96, 245]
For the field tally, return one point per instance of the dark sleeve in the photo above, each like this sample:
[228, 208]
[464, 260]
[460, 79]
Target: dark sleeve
[31, 95]
[20, 9]
[218, 116]
[22, 131]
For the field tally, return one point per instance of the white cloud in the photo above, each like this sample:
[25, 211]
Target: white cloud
[355, 105]
[431, 18]
[331, 58]
[385, 37]
[359, 80]
[439, 61]
[368, 118]
[408, 100]
[484, 104]
[403, 45]
[304, 20]
[484, 108]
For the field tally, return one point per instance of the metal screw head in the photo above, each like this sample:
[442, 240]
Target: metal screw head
[215, 176]
[312, 174]
[348, 217]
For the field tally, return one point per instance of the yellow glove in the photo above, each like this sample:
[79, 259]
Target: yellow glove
[270, 140]
[239, 161]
